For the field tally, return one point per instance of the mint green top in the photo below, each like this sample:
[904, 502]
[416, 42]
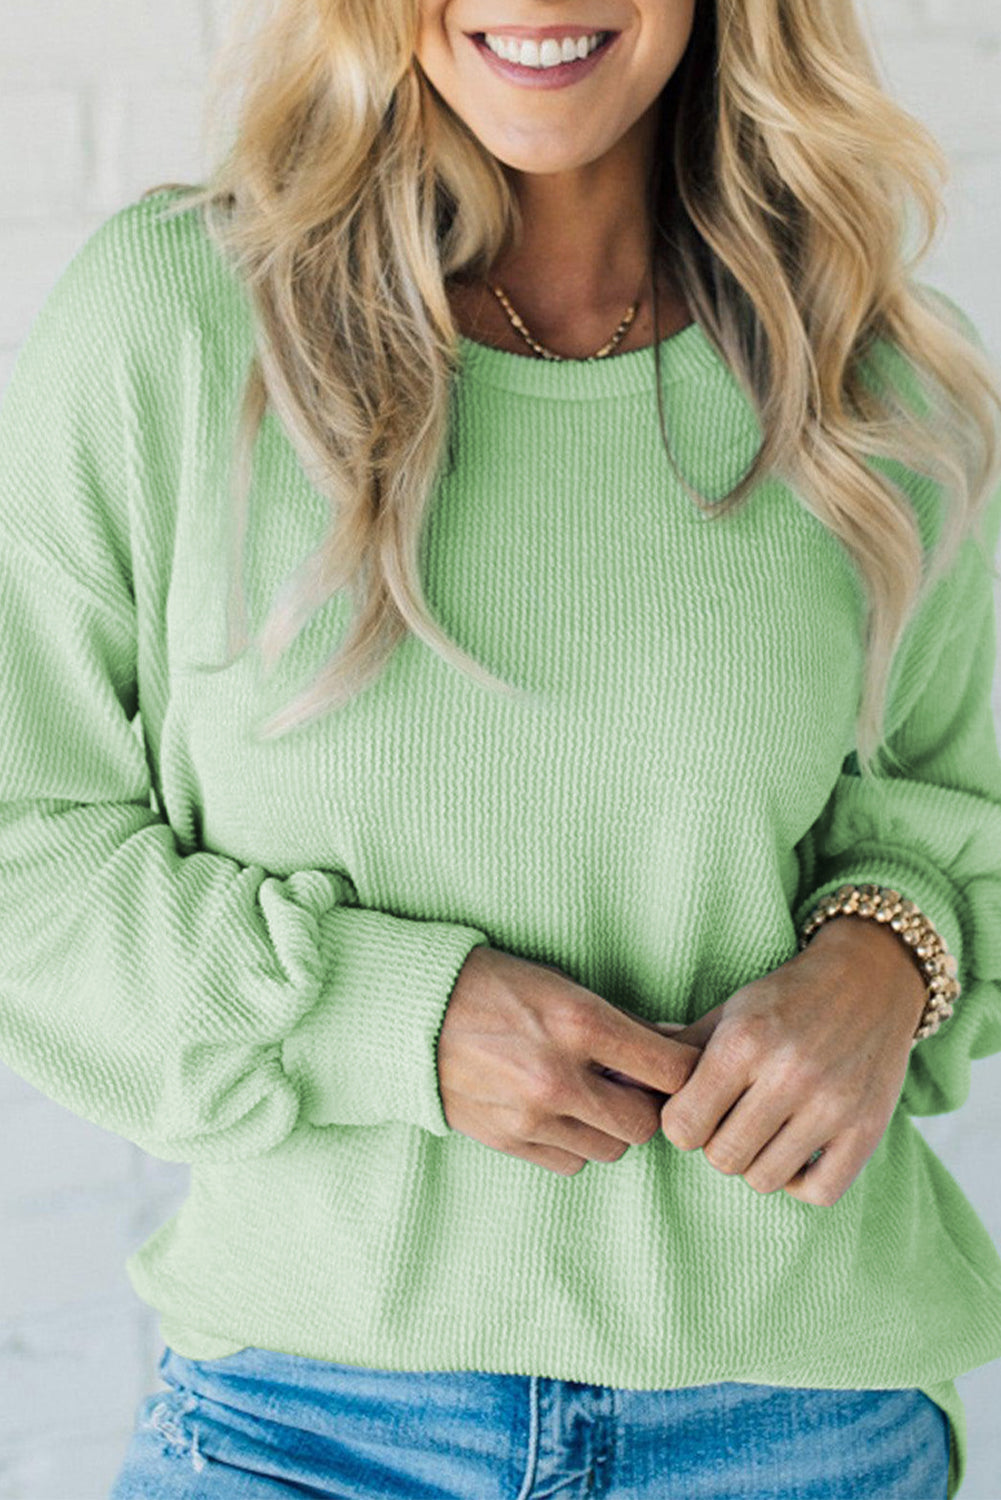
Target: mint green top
[238, 955]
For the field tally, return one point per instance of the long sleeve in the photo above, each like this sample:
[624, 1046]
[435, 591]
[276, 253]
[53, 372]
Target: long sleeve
[933, 831]
[199, 1007]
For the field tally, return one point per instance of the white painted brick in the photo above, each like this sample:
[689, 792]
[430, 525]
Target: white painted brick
[13, 1088]
[53, 170]
[979, 17]
[976, 17]
[70, 1374]
[49, 1151]
[219, 24]
[979, 1393]
[953, 85]
[966, 259]
[33, 254]
[890, 16]
[69, 1257]
[143, 137]
[167, 1179]
[48, 41]
[83, 1470]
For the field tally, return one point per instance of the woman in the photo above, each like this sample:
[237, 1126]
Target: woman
[604, 828]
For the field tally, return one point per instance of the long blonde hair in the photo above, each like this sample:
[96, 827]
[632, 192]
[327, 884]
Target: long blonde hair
[350, 194]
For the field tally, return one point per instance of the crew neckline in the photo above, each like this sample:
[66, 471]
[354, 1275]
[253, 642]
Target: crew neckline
[687, 354]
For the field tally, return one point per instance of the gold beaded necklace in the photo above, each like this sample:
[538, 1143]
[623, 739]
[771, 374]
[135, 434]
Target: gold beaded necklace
[518, 325]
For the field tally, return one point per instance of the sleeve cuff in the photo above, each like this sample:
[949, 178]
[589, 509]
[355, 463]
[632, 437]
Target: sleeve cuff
[902, 871]
[366, 1053]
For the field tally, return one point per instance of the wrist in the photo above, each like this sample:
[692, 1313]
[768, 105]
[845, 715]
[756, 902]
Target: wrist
[875, 949]
[923, 943]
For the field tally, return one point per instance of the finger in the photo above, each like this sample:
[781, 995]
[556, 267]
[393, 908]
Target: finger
[642, 1053]
[829, 1179]
[697, 1034]
[691, 1115]
[662, 1026]
[742, 1136]
[581, 1137]
[616, 1077]
[787, 1154]
[605, 1120]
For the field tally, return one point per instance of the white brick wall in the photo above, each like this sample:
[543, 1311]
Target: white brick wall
[99, 100]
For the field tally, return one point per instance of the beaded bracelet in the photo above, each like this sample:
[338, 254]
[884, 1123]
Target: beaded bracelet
[936, 963]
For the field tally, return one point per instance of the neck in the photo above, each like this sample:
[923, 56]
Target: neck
[575, 334]
[584, 248]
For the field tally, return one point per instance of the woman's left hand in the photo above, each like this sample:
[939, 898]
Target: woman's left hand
[812, 1054]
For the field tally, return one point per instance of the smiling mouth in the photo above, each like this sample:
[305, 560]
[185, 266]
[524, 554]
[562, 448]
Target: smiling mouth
[606, 36]
[557, 73]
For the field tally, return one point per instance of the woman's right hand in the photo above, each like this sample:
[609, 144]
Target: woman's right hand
[520, 1058]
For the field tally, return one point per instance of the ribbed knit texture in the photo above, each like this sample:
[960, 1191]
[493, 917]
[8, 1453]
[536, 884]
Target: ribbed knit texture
[239, 955]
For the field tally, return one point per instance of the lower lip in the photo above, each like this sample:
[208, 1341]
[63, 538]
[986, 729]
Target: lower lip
[545, 78]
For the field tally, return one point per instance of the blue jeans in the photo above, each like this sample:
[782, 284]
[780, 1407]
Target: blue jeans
[259, 1425]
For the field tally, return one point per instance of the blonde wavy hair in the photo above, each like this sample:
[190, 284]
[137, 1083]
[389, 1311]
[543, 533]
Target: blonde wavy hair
[351, 194]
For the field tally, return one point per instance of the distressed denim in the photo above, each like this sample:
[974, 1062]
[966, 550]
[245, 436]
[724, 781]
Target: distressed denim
[261, 1425]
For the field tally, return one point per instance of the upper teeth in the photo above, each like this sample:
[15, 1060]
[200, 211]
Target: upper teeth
[551, 53]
